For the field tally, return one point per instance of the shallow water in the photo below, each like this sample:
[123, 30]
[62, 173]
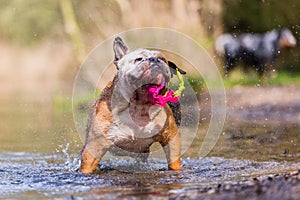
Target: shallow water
[39, 159]
[28, 175]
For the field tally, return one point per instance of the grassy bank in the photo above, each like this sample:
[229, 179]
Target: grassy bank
[280, 78]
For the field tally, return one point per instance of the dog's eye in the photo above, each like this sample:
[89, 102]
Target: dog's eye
[138, 59]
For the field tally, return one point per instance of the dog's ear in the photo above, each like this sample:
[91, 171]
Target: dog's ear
[173, 68]
[120, 49]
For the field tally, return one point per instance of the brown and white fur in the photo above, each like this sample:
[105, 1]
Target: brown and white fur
[123, 118]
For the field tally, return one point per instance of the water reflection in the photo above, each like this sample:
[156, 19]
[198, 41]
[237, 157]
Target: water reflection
[34, 126]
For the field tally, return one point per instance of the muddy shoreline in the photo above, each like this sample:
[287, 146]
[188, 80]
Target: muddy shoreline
[264, 105]
[270, 105]
[258, 106]
[276, 186]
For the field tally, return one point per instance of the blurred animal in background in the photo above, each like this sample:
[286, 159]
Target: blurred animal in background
[257, 50]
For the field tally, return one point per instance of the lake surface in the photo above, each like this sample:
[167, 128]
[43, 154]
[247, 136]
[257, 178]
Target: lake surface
[39, 159]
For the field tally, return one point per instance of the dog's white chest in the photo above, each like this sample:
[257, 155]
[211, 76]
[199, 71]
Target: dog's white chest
[137, 124]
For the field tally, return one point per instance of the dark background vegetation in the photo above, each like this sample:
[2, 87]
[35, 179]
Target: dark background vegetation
[259, 16]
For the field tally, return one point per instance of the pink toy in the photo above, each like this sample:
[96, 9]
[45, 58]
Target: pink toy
[171, 96]
[161, 100]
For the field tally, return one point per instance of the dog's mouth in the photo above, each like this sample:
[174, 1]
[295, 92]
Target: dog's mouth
[154, 89]
[154, 94]
[145, 94]
[150, 79]
[157, 89]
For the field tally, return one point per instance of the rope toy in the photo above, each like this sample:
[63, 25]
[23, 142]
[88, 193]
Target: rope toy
[171, 96]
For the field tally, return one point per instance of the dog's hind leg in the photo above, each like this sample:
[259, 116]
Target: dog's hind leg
[261, 74]
[229, 65]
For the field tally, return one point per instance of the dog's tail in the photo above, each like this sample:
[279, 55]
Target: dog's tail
[222, 41]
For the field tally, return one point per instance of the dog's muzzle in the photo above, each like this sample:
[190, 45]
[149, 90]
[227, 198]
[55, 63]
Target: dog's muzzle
[157, 72]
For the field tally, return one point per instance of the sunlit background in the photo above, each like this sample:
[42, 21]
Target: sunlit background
[43, 43]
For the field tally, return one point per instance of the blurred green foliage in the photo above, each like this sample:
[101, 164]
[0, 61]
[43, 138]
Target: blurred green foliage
[260, 15]
[25, 22]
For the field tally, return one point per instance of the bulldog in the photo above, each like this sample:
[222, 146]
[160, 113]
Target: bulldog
[123, 119]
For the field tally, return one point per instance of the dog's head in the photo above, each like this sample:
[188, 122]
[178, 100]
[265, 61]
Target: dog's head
[286, 38]
[139, 68]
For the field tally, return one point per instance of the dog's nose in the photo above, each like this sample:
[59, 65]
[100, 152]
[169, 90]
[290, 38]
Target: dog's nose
[153, 59]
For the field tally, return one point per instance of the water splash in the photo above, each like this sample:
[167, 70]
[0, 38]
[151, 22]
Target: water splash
[70, 162]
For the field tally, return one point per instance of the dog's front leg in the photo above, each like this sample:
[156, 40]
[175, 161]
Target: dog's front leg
[92, 153]
[172, 151]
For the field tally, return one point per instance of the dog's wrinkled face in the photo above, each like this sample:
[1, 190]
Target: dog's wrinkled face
[139, 68]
